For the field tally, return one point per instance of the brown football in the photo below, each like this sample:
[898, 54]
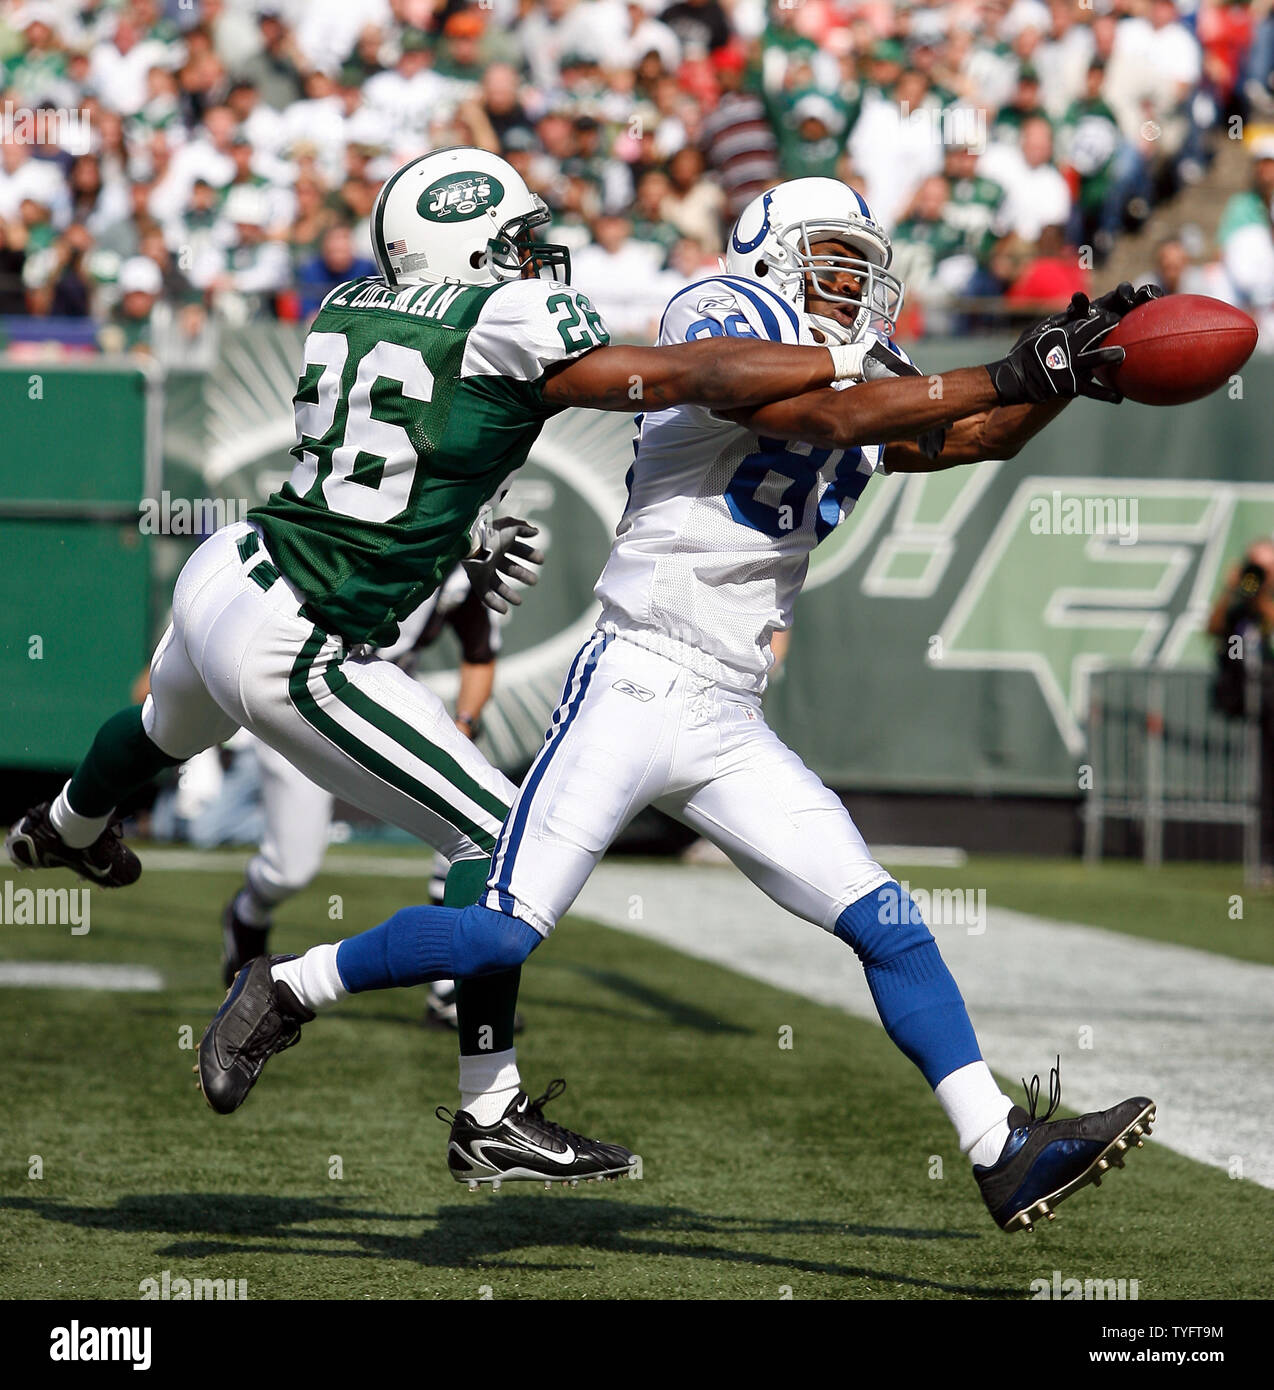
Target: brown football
[1180, 348]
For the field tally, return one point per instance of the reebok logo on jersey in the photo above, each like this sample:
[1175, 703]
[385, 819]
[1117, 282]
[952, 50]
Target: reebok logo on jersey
[638, 692]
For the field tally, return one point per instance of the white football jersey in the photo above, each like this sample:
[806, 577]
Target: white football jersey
[714, 544]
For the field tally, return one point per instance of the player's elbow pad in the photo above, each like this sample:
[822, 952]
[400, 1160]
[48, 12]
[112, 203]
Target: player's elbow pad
[485, 942]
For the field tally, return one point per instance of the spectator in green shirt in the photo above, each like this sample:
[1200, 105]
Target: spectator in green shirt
[974, 204]
[1089, 142]
[812, 137]
[1025, 105]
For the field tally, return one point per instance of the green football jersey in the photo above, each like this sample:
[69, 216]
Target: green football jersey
[414, 406]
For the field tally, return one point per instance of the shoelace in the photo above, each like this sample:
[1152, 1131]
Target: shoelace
[535, 1110]
[109, 838]
[1054, 1093]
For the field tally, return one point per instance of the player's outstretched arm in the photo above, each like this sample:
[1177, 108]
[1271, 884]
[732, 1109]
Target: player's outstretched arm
[876, 412]
[1049, 368]
[719, 373]
[1001, 433]
[991, 434]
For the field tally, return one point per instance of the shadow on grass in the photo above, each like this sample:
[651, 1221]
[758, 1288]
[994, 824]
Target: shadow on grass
[487, 1234]
[674, 1011]
[648, 999]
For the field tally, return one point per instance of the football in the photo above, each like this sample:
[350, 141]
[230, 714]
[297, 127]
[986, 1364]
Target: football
[1180, 348]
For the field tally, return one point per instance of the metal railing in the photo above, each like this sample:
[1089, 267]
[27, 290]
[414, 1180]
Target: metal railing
[1160, 753]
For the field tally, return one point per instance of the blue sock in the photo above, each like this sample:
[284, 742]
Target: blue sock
[917, 1000]
[418, 944]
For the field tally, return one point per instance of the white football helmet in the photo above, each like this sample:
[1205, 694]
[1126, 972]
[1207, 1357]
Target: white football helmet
[461, 215]
[773, 239]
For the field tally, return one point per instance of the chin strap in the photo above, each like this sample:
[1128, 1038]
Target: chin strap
[832, 331]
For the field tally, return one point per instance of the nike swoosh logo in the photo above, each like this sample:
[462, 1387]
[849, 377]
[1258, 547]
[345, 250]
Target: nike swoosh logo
[522, 1146]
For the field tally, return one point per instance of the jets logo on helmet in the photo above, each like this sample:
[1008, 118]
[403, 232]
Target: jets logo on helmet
[464, 216]
[773, 243]
[459, 197]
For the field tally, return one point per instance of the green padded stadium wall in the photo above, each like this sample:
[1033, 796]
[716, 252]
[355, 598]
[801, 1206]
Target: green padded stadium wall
[79, 449]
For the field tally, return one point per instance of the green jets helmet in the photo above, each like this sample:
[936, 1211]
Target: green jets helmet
[464, 216]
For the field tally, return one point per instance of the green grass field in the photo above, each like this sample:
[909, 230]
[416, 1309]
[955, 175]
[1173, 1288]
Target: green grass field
[1189, 904]
[813, 1170]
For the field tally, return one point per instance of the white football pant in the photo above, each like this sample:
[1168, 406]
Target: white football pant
[239, 653]
[634, 729]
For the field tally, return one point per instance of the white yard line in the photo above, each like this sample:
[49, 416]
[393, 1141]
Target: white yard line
[45, 974]
[418, 865]
[1190, 1029]
[163, 859]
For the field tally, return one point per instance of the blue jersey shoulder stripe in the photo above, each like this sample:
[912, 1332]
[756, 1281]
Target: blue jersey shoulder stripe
[753, 292]
[698, 284]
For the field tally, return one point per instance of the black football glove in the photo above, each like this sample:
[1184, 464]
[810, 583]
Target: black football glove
[1058, 359]
[879, 362]
[1110, 307]
[1075, 310]
[500, 545]
[1123, 299]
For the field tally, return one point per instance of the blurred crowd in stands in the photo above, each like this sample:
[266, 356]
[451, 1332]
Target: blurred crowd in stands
[168, 167]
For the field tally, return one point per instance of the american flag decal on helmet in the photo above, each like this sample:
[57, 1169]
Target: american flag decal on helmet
[395, 248]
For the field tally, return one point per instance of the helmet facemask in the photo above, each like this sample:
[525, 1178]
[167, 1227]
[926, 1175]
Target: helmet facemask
[880, 294]
[514, 251]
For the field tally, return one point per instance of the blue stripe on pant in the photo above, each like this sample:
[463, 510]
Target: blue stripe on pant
[515, 827]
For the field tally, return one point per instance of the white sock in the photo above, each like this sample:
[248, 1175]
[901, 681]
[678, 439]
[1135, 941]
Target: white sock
[77, 831]
[488, 1082]
[978, 1109]
[313, 977]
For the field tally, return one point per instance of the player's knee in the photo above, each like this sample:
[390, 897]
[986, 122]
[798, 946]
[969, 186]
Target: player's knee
[485, 941]
[275, 880]
[882, 925]
[295, 878]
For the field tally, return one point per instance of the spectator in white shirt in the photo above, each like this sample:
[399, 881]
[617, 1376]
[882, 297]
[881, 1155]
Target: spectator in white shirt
[409, 93]
[1062, 58]
[647, 33]
[1037, 195]
[621, 277]
[895, 144]
[206, 157]
[40, 180]
[327, 30]
[118, 66]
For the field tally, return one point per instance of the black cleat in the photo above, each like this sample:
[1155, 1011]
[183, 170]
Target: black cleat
[522, 1146]
[241, 942]
[257, 1019]
[1045, 1161]
[33, 843]
[440, 1008]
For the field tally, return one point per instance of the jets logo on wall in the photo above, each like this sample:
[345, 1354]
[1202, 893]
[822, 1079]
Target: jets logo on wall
[459, 197]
